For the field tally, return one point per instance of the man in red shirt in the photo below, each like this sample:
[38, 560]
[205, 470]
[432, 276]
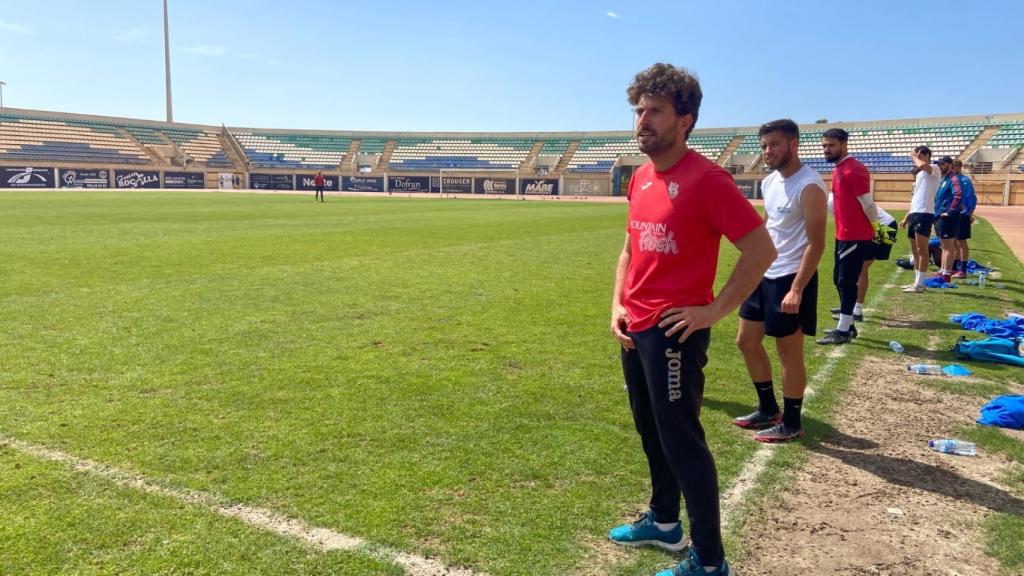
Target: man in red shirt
[856, 224]
[318, 181]
[680, 205]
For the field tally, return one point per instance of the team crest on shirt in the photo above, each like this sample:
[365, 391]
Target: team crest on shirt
[673, 190]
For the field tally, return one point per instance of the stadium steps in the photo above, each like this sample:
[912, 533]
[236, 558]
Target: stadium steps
[527, 164]
[150, 151]
[348, 160]
[1014, 160]
[385, 158]
[978, 142]
[233, 149]
[570, 150]
[168, 149]
[730, 149]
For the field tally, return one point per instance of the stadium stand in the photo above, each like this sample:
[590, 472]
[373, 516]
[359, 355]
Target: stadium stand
[599, 154]
[987, 144]
[1008, 142]
[555, 147]
[882, 149]
[751, 144]
[293, 150]
[373, 145]
[1010, 135]
[886, 149]
[201, 145]
[30, 138]
[452, 153]
[58, 139]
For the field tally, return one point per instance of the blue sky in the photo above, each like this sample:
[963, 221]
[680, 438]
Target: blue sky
[509, 66]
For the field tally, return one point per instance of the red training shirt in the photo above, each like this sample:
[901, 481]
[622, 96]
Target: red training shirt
[676, 221]
[318, 180]
[850, 180]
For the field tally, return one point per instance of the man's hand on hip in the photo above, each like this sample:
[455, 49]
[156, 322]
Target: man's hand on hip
[687, 319]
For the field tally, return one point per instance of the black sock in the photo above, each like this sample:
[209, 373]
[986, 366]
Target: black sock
[791, 413]
[766, 398]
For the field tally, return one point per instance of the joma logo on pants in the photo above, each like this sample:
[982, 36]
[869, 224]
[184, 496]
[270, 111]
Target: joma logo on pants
[675, 365]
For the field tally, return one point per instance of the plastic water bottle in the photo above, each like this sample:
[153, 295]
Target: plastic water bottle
[981, 279]
[896, 347]
[959, 447]
[925, 369]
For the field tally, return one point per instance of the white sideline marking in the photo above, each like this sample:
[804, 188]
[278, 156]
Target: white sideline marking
[755, 467]
[315, 537]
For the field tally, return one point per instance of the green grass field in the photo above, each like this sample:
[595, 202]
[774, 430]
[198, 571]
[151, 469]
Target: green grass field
[430, 375]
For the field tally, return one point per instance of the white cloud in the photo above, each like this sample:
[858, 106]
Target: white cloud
[611, 14]
[14, 27]
[207, 50]
[131, 34]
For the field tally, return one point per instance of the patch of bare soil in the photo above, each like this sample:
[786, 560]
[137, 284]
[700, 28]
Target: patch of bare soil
[873, 499]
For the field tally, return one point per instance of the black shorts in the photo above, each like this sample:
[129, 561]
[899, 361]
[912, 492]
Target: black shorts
[882, 251]
[919, 223]
[963, 231]
[765, 305]
[946, 228]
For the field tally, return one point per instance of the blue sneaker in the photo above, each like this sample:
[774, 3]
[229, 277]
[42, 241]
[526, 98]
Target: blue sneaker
[692, 566]
[643, 532]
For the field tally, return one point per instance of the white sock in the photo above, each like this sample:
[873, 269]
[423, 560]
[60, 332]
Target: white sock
[918, 277]
[665, 527]
[858, 309]
[845, 321]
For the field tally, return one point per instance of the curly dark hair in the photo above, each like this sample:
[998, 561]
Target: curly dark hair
[665, 80]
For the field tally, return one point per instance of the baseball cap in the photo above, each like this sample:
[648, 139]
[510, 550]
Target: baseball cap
[945, 160]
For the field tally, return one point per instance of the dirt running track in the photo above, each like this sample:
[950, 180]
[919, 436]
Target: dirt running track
[873, 499]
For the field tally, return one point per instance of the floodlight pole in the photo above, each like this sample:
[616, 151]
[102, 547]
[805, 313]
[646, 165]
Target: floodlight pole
[2, 84]
[167, 66]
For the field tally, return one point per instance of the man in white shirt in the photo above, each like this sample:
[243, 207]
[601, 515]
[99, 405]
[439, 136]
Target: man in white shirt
[921, 215]
[784, 305]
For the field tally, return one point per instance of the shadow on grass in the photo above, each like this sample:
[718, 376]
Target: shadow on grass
[926, 325]
[922, 476]
[962, 295]
[823, 438]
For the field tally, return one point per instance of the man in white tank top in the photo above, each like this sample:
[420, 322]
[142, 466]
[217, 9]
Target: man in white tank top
[784, 305]
[920, 217]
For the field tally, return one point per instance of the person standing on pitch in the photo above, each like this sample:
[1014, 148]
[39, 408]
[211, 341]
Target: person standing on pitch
[318, 181]
[784, 305]
[963, 232]
[947, 216]
[663, 307]
[878, 251]
[856, 228]
[920, 217]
